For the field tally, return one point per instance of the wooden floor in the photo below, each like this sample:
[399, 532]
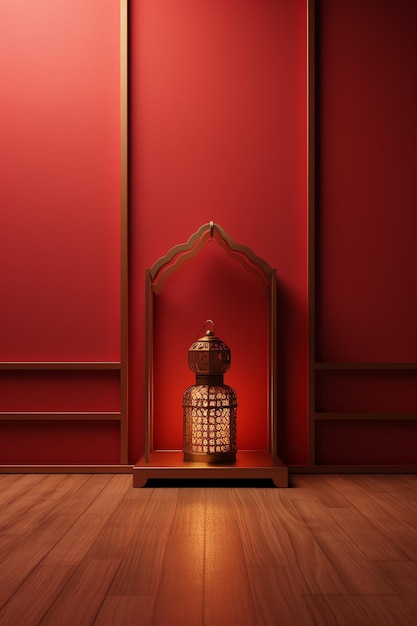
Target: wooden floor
[89, 549]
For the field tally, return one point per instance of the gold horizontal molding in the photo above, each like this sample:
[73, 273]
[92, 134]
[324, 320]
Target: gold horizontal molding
[66, 469]
[352, 469]
[371, 366]
[60, 416]
[60, 365]
[371, 415]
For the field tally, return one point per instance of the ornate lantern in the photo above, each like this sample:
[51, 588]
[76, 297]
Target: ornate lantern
[209, 406]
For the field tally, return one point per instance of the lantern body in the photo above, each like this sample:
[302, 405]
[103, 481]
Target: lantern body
[210, 406]
[210, 423]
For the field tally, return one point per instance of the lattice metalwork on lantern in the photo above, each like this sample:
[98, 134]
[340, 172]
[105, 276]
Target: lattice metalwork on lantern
[210, 406]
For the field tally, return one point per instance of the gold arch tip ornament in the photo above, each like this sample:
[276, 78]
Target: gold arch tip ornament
[180, 253]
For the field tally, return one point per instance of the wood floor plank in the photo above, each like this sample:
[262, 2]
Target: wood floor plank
[408, 494]
[27, 555]
[81, 499]
[8, 544]
[359, 610]
[29, 550]
[313, 486]
[343, 483]
[34, 597]
[13, 485]
[410, 480]
[227, 591]
[360, 575]
[374, 483]
[76, 542]
[190, 514]
[394, 484]
[81, 598]
[402, 509]
[261, 532]
[403, 575]
[302, 549]
[92, 550]
[114, 538]
[365, 536]
[46, 501]
[140, 570]
[179, 599]
[278, 596]
[382, 516]
[180, 593]
[126, 611]
[19, 508]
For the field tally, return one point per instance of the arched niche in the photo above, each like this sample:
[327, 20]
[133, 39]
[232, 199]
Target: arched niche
[210, 276]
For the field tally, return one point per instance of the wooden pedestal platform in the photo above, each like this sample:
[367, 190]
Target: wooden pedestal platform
[249, 465]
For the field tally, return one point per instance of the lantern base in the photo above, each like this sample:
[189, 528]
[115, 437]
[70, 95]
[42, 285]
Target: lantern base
[167, 464]
[219, 457]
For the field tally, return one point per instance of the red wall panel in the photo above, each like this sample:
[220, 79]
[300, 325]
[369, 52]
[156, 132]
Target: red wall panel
[59, 180]
[59, 224]
[60, 443]
[367, 391]
[368, 155]
[367, 443]
[218, 132]
[367, 220]
[59, 391]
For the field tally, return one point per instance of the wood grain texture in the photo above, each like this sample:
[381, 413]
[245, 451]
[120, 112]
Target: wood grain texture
[59, 487]
[126, 611]
[262, 538]
[17, 508]
[304, 552]
[92, 550]
[9, 486]
[77, 540]
[180, 591]
[274, 590]
[35, 595]
[384, 517]
[82, 596]
[403, 575]
[227, 591]
[357, 610]
[359, 574]
[141, 569]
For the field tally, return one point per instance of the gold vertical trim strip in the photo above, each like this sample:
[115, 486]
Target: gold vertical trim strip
[273, 408]
[149, 298]
[124, 229]
[311, 200]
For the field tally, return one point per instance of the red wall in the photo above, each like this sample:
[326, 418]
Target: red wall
[59, 219]
[218, 132]
[367, 224]
[368, 155]
[59, 224]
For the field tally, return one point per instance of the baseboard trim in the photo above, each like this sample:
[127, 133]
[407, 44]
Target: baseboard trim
[65, 469]
[128, 469]
[352, 469]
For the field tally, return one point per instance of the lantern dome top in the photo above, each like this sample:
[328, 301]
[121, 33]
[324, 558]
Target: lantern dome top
[209, 354]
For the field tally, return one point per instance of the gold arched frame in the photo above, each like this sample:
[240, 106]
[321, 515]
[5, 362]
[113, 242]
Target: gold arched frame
[169, 464]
